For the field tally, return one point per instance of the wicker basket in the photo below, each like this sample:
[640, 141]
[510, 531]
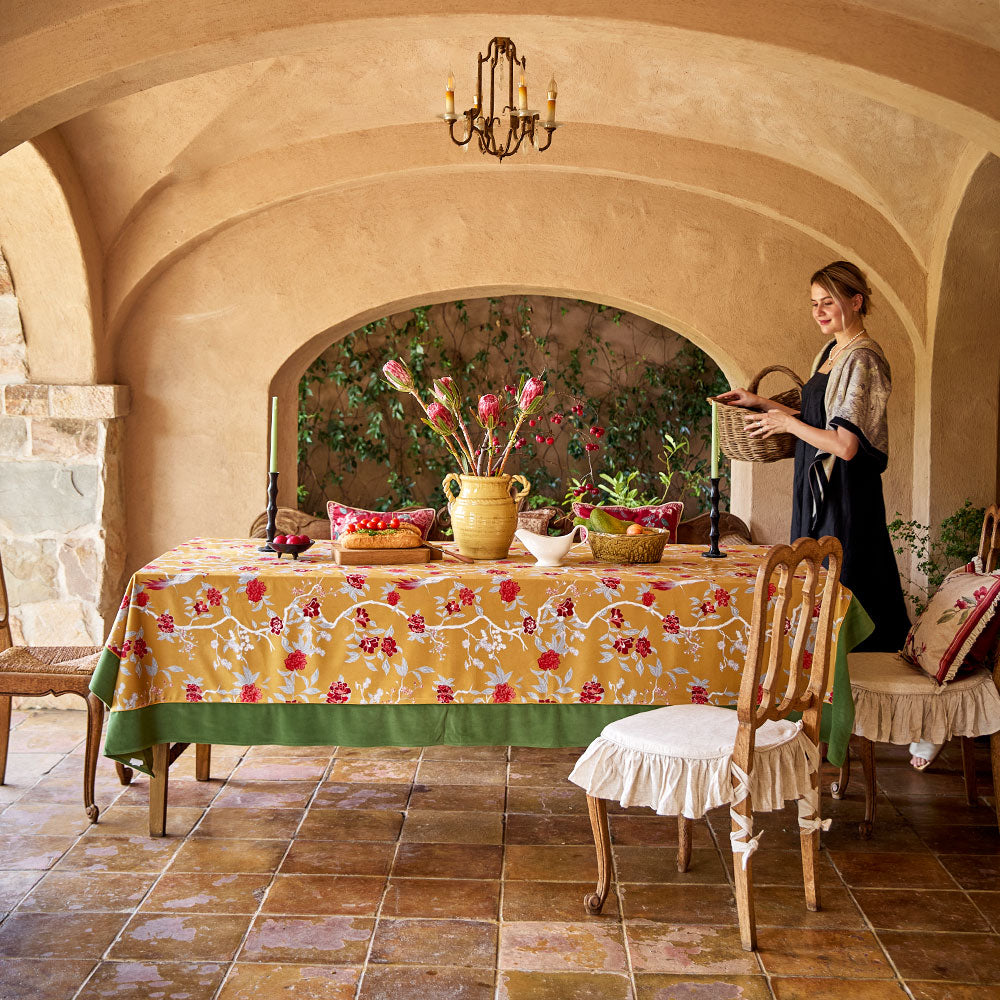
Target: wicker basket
[734, 440]
[628, 548]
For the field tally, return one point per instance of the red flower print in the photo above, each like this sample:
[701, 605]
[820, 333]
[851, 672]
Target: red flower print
[200, 608]
[624, 644]
[445, 694]
[368, 644]
[643, 646]
[466, 596]
[389, 646]
[591, 693]
[255, 589]
[392, 598]
[124, 603]
[771, 590]
[339, 693]
[125, 648]
[662, 585]
[549, 660]
[311, 610]
[707, 608]
[807, 661]
[617, 618]
[361, 618]
[296, 660]
[722, 598]
[214, 597]
[509, 589]
[452, 607]
[355, 580]
[140, 648]
[276, 626]
[250, 693]
[961, 604]
[165, 623]
[192, 692]
[416, 623]
[546, 701]
[647, 598]
[699, 696]
[760, 693]
[565, 608]
[611, 582]
[671, 624]
[503, 694]
[816, 611]
[529, 624]
[979, 594]
[787, 626]
[142, 598]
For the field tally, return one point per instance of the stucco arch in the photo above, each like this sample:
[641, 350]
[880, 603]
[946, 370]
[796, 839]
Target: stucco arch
[945, 76]
[959, 399]
[55, 262]
[729, 280]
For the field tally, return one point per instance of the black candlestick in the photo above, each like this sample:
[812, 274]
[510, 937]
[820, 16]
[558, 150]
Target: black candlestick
[713, 534]
[272, 511]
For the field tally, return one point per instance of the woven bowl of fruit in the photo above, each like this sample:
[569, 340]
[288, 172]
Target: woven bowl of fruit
[613, 540]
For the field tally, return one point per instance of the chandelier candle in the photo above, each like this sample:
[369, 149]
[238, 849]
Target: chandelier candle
[550, 107]
[522, 95]
[449, 94]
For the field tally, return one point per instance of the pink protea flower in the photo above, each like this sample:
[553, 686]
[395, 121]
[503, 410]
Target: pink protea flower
[440, 418]
[532, 390]
[398, 375]
[445, 391]
[489, 410]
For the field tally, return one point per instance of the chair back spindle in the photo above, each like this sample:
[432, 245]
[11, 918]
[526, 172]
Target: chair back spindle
[989, 539]
[6, 640]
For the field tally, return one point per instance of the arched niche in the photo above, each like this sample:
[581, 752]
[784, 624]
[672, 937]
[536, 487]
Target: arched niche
[960, 397]
[245, 312]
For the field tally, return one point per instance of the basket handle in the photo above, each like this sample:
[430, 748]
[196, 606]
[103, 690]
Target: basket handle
[752, 387]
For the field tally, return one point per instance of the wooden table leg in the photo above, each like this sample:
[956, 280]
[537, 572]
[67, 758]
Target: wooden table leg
[158, 790]
[95, 721]
[202, 761]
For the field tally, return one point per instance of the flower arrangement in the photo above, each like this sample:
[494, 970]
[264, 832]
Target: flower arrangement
[493, 413]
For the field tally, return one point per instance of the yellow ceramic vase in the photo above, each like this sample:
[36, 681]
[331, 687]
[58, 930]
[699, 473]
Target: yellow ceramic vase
[483, 514]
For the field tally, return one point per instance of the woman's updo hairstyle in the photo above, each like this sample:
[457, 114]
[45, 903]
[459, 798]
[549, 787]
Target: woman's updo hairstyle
[843, 280]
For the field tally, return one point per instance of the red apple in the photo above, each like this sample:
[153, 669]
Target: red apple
[294, 540]
[281, 539]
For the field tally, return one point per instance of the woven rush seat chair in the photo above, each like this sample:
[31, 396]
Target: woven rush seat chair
[684, 760]
[27, 671]
[894, 702]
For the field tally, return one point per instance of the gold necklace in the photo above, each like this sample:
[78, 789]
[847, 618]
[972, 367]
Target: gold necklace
[833, 354]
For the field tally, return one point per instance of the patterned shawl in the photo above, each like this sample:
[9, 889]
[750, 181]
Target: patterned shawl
[856, 397]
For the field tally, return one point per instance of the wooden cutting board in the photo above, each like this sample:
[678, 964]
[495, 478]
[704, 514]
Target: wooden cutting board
[381, 557]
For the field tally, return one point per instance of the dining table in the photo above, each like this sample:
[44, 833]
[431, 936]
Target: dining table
[219, 642]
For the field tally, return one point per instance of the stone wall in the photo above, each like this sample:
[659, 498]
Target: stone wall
[62, 522]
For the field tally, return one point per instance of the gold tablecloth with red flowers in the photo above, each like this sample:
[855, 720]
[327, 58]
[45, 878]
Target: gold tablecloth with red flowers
[219, 623]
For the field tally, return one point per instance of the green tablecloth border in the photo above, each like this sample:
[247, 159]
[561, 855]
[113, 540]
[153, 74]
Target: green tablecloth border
[132, 733]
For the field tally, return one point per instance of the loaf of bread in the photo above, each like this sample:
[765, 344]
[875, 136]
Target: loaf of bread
[406, 536]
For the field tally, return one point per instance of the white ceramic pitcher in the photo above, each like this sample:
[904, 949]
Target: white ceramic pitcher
[549, 550]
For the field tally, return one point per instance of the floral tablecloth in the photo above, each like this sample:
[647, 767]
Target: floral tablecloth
[218, 623]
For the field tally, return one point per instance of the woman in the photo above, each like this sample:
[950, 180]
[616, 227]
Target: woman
[843, 449]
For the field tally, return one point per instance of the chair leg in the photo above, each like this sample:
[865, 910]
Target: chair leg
[4, 734]
[202, 761]
[598, 809]
[158, 790]
[969, 768]
[743, 877]
[92, 750]
[683, 843]
[838, 788]
[809, 846]
[124, 773]
[995, 764]
[866, 751]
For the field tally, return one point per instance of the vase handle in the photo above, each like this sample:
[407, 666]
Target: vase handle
[525, 489]
[451, 478]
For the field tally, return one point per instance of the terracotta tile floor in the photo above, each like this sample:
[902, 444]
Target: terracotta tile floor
[459, 873]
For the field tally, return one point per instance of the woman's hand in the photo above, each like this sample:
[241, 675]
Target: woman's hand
[763, 425]
[739, 397]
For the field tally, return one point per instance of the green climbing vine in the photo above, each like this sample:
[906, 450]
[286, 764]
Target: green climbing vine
[615, 407]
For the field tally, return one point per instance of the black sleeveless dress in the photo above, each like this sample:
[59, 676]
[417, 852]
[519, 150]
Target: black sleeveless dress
[853, 511]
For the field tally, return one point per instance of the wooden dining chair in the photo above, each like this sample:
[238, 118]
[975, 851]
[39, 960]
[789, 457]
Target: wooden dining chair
[897, 703]
[684, 760]
[27, 671]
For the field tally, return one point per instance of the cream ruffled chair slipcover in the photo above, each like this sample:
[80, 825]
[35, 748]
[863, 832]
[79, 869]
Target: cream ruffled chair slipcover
[684, 760]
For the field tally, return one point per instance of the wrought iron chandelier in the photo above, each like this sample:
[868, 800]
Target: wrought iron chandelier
[524, 129]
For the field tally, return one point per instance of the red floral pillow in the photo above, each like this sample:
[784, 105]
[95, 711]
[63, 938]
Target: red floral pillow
[664, 515]
[948, 638]
[341, 516]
